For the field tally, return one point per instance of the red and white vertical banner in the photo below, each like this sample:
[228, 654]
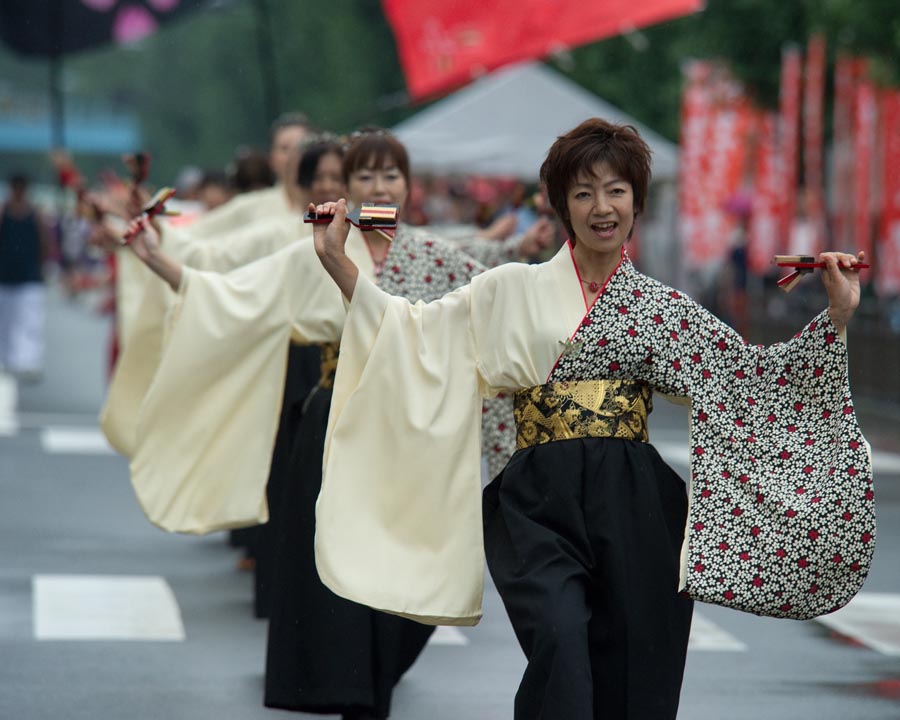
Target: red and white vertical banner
[764, 241]
[813, 112]
[789, 137]
[716, 124]
[845, 74]
[696, 116]
[865, 130]
[887, 267]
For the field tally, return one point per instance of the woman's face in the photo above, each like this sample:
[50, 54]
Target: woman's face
[601, 210]
[384, 185]
[328, 182]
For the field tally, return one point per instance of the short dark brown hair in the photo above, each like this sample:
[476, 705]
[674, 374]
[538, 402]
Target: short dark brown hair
[372, 147]
[579, 151]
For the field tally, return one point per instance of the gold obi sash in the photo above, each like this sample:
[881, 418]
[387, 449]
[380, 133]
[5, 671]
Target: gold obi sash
[328, 360]
[582, 409]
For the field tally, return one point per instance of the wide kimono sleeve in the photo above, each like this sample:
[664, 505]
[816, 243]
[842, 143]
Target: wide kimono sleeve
[398, 520]
[487, 251]
[207, 424]
[141, 349]
[136, 365]
[781, 516]
[246, 244]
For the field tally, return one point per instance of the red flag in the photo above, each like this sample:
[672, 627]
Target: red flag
[888, 260]
[846, 71]
[717, 123]
[445, 43]
[696, 117]
[813, 101]
[764, 238]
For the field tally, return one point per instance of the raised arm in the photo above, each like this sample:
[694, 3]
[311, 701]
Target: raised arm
[330, 241]
[146, 246]
[842, 285]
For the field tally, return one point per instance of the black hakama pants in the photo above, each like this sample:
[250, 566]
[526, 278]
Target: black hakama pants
[301, 376]
[326, 654]
[583, 540]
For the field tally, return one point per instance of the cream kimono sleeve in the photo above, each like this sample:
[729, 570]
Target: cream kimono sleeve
[140, 353]
[207, 424]
[398, 520]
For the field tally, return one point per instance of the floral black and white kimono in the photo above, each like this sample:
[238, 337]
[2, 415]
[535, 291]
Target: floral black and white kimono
[589, 535]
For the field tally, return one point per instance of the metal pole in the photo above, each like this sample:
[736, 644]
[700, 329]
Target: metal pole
[57, 103]
[268, 69]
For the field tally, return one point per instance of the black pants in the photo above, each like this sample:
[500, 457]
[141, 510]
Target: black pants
[326, 654]
[583, 540]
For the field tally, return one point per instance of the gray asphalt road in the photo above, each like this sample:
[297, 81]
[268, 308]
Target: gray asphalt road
[104, 617]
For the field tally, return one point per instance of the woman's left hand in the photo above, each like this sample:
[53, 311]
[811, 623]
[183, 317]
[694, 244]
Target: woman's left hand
[842, 285]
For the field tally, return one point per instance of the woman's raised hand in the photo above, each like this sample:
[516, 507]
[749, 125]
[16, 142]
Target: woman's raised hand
[841, 282]
[330, 240]
[144, 238]
[146, 245]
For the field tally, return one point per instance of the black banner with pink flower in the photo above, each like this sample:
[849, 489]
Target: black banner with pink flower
[60, 27]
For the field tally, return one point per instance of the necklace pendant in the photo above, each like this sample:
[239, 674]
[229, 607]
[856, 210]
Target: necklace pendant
[594, 286]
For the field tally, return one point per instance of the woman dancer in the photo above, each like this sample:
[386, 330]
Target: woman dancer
[207, 423]
[319, 175]
[585, 528]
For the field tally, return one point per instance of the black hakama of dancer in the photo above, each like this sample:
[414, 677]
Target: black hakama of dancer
[326, 654]
[582, 538]
[301, 376]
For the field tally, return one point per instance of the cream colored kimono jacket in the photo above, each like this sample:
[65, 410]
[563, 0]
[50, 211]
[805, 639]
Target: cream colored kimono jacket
[207, 423]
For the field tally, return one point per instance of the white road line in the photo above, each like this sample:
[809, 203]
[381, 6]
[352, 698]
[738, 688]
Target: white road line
[673, 453]
[8, 399]
[104, 607]
[707, 636]
[885, 462]
[447, 635]
[74, 441]
[871, 618]
[678, 454]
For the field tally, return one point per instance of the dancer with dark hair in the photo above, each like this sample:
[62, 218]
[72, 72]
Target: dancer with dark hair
[589, 534]
[221, 378]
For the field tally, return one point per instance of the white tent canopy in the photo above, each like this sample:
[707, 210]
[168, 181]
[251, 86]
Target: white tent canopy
[504, 123]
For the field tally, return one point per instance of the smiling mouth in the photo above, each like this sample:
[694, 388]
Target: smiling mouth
[604, 228]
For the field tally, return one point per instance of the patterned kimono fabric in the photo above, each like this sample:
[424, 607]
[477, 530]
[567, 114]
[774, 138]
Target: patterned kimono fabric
[583, 529]
[326, 654]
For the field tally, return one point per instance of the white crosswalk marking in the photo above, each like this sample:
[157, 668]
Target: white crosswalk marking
[676, 453]
[447, 635]
[8, 398]
[104, 607]
[707, 636]
[871, 618]
[74, 441]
